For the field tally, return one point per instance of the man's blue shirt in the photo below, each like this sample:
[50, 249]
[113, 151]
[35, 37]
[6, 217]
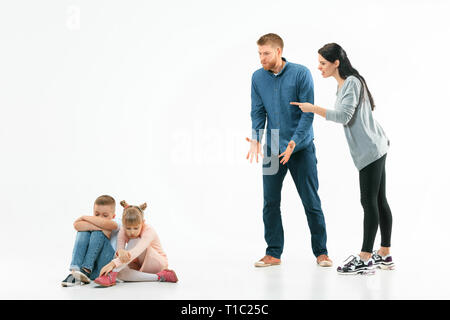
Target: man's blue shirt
[271, 97]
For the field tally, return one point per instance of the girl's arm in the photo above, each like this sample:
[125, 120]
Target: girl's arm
[121, 240]
[143, 243]
[103, 223]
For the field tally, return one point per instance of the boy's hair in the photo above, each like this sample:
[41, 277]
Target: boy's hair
[105, 200]
[271, 38]
[132, 215]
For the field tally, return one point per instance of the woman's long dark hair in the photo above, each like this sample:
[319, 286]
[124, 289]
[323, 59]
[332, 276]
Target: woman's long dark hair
[332, 52]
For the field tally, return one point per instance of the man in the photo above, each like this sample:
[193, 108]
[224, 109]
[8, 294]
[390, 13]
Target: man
[289, 130]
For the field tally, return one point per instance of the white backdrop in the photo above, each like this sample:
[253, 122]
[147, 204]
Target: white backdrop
[150, 101]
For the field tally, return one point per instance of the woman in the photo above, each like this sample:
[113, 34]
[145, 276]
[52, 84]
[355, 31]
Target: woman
[368, 146]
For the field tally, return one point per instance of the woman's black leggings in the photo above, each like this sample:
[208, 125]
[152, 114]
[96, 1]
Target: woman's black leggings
[372, 182]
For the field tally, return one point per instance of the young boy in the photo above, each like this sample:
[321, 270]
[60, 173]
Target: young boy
[93, 248]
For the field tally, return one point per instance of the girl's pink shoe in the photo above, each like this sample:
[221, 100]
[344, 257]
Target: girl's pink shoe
[107, 280]
[167, 276]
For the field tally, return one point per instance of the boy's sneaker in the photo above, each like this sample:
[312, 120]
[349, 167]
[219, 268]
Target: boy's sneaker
[81, 275]
[354, 265]
[70, 281]
[167, 276]
[107, 280]
[383, 262]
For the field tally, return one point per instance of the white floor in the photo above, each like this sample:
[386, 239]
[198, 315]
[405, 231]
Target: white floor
[222, 278]
[213, 256]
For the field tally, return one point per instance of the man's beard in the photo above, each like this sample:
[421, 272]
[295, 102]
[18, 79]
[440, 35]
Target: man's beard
[270, 66]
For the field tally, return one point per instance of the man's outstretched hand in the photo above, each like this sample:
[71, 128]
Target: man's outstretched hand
[287, 153]
[255, 149]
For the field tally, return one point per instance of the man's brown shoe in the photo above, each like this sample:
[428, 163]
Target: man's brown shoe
[324, 261]
[268, 261]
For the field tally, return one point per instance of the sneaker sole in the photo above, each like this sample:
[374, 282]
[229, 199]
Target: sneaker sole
[325, 264]
[81, 277]
[263, 265]
[359, 272]
[67, 284]
[105, 285]
[386, 266]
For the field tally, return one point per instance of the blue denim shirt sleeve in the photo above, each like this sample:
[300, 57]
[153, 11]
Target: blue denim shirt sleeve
[305, 93]
[258, 113]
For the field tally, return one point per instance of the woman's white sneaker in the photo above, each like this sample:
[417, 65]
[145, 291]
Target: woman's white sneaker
[355, 265]
[383, 262]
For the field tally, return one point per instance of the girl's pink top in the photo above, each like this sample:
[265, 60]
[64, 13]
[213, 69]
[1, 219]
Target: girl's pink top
[148, 240]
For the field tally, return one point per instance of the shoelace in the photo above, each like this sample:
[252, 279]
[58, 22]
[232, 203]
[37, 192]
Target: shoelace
[375, 255]
[352, 261]
[110, 277]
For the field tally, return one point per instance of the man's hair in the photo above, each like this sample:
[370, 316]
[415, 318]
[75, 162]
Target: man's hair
[105, 200]
[271, 38]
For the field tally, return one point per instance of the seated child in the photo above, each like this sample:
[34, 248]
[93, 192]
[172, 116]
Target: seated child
[143, 259]
[93, 248]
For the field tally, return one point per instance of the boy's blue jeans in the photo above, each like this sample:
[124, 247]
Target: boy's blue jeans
[92, 250]
[303, 168]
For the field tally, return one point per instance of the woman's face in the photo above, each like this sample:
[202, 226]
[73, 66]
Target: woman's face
[327, 68]
[133, 231]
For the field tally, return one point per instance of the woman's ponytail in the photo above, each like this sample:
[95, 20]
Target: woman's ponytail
[332, 52]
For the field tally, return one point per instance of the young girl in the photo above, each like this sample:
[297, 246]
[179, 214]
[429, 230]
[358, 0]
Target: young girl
[368, 146]
[143, 259]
